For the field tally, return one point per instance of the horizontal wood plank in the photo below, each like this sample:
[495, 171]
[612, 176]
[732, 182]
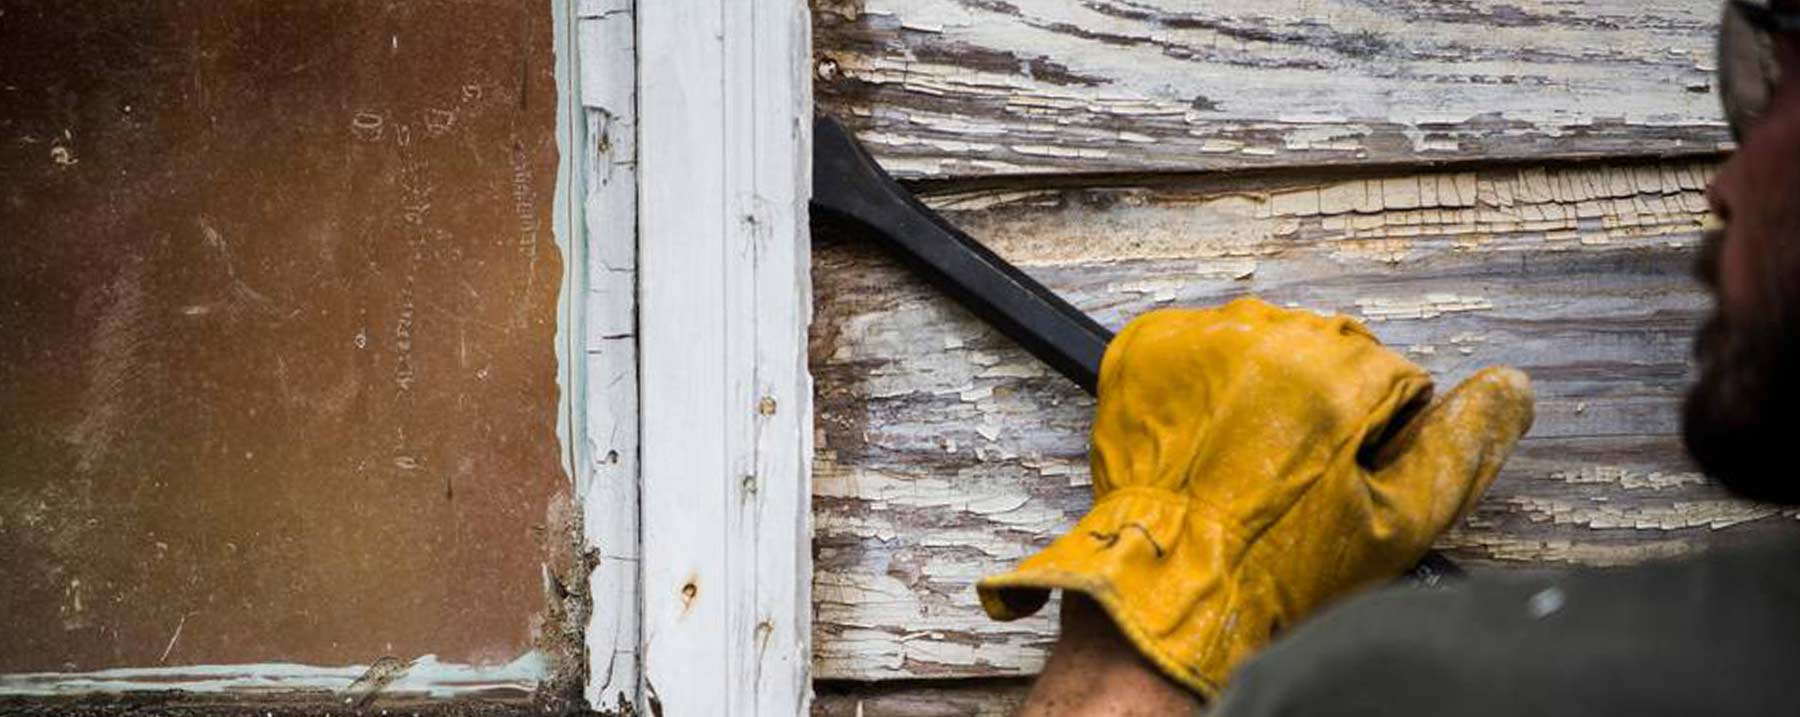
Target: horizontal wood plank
[941, 88]
[998, 697]
[945, 453]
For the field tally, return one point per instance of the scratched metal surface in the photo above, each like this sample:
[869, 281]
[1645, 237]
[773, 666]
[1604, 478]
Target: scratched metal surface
[279, 296]
[946, 453]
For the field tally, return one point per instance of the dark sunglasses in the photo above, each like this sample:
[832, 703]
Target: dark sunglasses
[1749, 68]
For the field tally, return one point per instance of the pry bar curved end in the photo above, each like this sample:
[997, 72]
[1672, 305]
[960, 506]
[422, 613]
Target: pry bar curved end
[848, 185]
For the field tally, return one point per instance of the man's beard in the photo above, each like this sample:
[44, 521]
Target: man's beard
[1732, 419]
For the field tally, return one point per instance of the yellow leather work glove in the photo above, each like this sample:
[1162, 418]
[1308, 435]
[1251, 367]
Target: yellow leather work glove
[1253, 463]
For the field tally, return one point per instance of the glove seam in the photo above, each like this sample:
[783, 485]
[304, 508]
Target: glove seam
[1192, 507]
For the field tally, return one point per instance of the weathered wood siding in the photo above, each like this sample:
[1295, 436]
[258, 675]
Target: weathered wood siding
[1572, 142]
[963, 698]
[945, 453]
[959, 87]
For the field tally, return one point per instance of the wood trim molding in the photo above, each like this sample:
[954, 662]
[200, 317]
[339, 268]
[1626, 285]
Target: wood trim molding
[724, 301]
[603, 160]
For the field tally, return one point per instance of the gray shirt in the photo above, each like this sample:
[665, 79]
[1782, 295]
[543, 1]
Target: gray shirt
[1716, 634]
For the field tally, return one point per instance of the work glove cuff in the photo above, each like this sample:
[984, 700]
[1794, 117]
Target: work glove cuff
[1252, 464]
[1168, 574]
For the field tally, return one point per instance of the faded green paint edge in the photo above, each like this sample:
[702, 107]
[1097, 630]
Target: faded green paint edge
[568, 604]
[498, 703]
[567, 217]
[255, 684]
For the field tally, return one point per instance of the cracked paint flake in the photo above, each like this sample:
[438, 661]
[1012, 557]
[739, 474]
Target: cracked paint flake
[1429, 306]
[1110, 85]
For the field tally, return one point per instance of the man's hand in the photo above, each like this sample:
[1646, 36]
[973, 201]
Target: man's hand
[1252, 464]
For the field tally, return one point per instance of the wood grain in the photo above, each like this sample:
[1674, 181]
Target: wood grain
[606, 165]
[997, 697]
[724, 155]
[942, 88]
[944, 453]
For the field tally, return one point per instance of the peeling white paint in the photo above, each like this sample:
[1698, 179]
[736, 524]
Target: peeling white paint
[1349, 82]
[1714, 514]
[425, 675]
[1627, 478]
[1429, 306]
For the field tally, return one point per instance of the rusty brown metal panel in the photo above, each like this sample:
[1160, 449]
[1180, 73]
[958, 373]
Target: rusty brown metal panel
[278, 297]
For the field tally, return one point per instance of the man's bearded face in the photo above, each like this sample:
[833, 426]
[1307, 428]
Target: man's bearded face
[1731, 421]
[1734, 421]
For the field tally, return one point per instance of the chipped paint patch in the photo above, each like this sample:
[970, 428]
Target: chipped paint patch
[1564, 551]
[1599, 515]
[1111, 86]
[425, 675]
[1429, 306]
[1389, 220]
[1627, 478]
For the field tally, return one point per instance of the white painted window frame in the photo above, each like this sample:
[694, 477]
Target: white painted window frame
[694, 126]
[599, 151]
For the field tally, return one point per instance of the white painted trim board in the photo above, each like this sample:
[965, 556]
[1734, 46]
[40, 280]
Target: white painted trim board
[605, 45]
[724, 299]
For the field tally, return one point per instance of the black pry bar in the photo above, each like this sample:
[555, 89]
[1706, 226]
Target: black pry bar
[849, 185]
